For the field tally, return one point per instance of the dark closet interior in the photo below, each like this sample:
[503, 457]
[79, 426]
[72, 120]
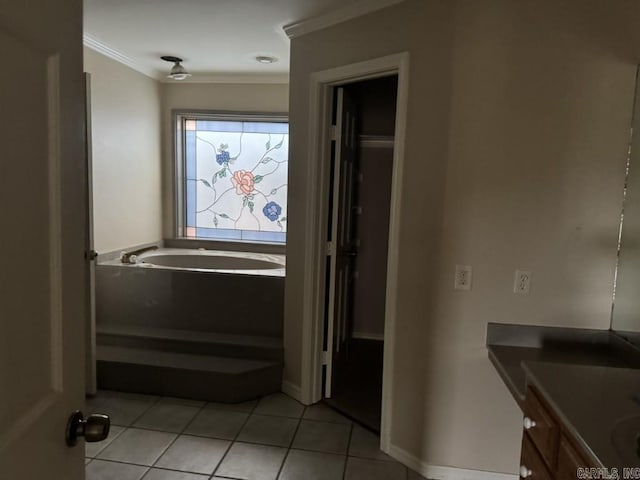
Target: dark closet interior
[357, 386]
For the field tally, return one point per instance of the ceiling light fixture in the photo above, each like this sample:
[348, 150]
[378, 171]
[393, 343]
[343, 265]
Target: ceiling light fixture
[178, 72]
[266, 59]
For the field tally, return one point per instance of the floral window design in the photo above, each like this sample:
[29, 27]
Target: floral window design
[236, 179]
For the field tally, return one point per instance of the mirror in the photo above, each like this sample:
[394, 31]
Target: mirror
[625, 316]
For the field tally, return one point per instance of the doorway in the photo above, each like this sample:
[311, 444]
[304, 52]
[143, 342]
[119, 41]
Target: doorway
[363, 119]
[322, 84]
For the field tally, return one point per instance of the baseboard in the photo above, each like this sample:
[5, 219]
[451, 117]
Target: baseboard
[368, 336]
[294, 391]
[435, 472]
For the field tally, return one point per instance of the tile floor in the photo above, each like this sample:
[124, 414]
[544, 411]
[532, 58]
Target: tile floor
[275, 438]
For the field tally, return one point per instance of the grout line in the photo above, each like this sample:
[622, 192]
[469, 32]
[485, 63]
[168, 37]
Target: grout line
[359, 457]
[106, 445]
[293, 437]
[145, 473]
[250, 413]
[149, 468]
[251, 442]
[145, 411]
[167, 448]
[188, 424]
[177, 471]
[346, 458]
[178, 435]
[122, 462]
[133, 426]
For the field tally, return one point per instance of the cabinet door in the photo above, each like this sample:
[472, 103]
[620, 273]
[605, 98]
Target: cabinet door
[569, 460]
[544, 431]
[532, 466]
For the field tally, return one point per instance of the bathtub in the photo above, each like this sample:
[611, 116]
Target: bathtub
[240, 263]
[204, 290]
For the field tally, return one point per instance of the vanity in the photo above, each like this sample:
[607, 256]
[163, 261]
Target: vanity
[579, 392]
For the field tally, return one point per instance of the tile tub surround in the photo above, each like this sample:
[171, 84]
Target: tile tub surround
[204, 335]
[182, 299]
[274, 438]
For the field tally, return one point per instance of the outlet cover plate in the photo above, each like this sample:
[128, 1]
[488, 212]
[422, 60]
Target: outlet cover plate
[463, 277]
[522, 282]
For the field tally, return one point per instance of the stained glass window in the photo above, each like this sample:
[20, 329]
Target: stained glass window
[235, 177]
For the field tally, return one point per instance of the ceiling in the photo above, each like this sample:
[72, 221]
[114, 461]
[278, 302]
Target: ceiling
[218, 39]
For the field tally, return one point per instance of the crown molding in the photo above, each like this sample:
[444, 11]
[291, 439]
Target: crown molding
[241, 78]
[112, 53]
[348, 12]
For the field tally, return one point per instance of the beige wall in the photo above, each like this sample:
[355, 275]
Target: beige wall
[269, 98]
[125, 121]
[516, 138]
[625, 316]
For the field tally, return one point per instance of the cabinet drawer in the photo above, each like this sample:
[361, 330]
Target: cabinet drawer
[532, 466]
[542, 428]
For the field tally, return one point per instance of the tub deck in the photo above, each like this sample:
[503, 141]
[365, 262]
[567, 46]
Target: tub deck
[209, 335]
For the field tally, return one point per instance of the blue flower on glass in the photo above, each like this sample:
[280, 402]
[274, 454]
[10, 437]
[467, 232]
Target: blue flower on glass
[272, 211]
[222, 157]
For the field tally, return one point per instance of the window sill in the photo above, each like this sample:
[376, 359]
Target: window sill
[255, 247]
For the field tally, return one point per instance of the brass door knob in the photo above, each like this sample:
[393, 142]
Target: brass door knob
[94, 429]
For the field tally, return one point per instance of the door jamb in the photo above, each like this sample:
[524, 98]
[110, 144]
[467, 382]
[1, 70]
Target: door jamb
[316, 211]
[91, 385]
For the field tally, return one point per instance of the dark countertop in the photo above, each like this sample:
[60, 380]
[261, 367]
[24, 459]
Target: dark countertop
[508, 361]
[590, 377]
[510, 345]
[593, 402]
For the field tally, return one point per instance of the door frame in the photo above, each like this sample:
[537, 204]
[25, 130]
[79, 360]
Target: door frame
[91, 384]
[317, 184]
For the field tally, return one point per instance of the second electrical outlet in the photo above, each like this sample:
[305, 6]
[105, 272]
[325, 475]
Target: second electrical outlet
[522, 282]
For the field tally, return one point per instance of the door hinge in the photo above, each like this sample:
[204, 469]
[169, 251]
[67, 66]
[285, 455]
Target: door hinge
[331, 249]
[325, 358]
[334, 132]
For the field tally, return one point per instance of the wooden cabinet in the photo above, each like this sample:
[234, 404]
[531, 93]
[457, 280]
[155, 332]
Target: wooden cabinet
[549, 452]
[569, 460]
[532, 466]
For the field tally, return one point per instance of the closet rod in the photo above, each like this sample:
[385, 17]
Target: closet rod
[375, 141]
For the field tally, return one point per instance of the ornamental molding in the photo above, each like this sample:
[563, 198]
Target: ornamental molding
[237, 78]
[343, 14]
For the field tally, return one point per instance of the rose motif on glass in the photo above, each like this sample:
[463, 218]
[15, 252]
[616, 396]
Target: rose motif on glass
[222, 157]
[243, 182]
[272, 211]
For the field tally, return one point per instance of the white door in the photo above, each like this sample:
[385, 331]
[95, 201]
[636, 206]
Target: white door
[43, 280]
[342, 236]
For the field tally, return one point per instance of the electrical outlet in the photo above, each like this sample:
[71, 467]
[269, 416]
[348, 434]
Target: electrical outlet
[463, 276]
[522, 282]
